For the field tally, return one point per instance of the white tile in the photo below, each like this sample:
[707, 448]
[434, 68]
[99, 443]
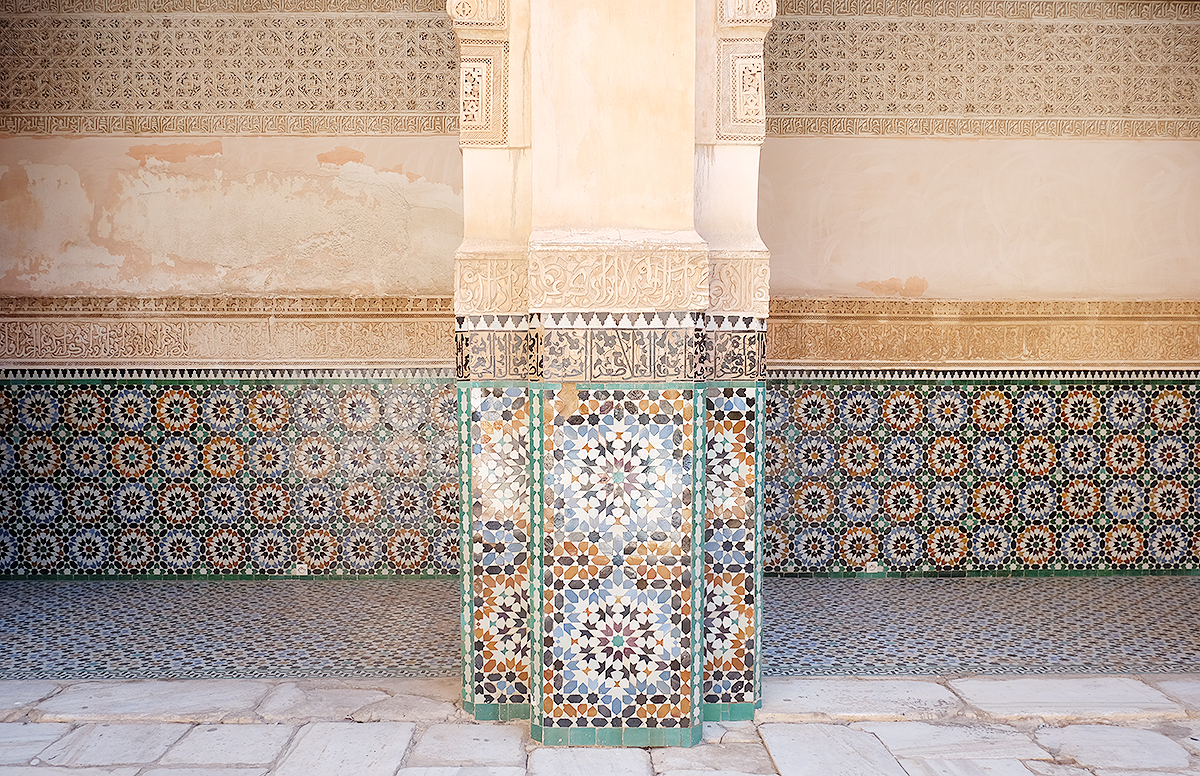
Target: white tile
[229, 744]
[293, 703]
[16, 694]
[827, 750]
[1108, 746]
[964, 767]
[825, 700]
[588, 761]
[960, 742]
[1067, 697]
[184, 700]
[114, 744]
[347, 749]
[22, 741]
[746, 758]
[470, 744]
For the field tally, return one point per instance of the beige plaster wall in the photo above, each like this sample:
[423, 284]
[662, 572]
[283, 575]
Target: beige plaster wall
[229, 215]
[982, 219]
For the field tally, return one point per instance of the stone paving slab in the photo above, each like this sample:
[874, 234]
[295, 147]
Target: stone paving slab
[470, 744]
[16, 696]
[960, 742]
[182, 700]
[1109, 746]
[347, 749]
[114, 744]
[225, 744]
[827, 750]
[209, 771]
[30, 770]
[742, 758]
[1066, 697]
[458, 770]
[293, 703]
[964, 767]
[581, 761]
[1054, 769]
[406, 708]
[850, 699]
[21, 742]
[1185, 690]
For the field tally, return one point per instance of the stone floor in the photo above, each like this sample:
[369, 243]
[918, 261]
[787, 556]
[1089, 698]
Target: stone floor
[963, 726]
[397, 628]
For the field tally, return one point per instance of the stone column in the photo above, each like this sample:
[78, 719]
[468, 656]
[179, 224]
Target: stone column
[608, 402]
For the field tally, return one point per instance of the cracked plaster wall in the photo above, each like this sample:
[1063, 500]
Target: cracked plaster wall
[957, 219]
[229, 215]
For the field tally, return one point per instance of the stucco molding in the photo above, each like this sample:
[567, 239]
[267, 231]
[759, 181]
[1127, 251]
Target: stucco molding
[942, 333]
[739, 282]
[230, 331]
[991, 9]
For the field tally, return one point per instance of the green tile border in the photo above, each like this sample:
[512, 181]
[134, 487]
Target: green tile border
[731, 712]
[640, 737]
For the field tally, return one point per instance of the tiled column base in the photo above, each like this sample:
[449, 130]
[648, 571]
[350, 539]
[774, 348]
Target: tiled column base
[619, 586]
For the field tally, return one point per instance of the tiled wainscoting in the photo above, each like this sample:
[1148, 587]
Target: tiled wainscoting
[209, 474]
[1035, 473]
[205, 474]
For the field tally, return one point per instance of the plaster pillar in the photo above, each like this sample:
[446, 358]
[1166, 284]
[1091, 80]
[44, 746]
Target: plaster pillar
[730, 126]
[609, 402]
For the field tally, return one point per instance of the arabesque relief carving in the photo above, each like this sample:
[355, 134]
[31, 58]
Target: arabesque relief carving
[984, 69]
[934, 333]
[617, 278]
[348, 73]
[739, 283]
[491, 283]
[239, 332]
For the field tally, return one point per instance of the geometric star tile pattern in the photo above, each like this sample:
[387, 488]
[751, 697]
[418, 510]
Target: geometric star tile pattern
[497, 583]
[621, 582]
[732, 578]
[228, 475]
[983, 474]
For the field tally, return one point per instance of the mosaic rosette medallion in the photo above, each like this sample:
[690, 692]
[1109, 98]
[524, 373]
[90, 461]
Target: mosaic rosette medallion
[620, 545]
[982, 473]
[228, 475]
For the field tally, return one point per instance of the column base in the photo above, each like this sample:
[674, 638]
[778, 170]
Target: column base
[616, 736]
[497, 712]
[729, 712]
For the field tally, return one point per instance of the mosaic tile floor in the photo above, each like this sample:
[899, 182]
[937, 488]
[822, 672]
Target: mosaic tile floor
[812, 627]
[991, 625]
[143, 629]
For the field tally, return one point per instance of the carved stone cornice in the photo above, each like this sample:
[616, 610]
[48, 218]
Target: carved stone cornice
[227, 331]
[933, 333]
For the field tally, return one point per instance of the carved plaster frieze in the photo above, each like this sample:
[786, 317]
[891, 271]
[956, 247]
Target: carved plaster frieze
[483, 95]
[984, 69]
[477, 13]
[747, 13]
[991, 9]
[617, 278]
[741, 115]
[491, 282]
[935, 333]
[433, 7]
[739, 283]
[240, 332]
[227, 73]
